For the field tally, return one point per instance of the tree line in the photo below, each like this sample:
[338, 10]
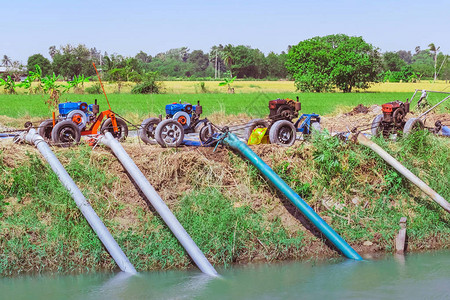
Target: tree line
[317, 64]
[222, 61]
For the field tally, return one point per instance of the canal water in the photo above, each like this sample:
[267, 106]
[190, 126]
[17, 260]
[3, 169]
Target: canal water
[415, 276]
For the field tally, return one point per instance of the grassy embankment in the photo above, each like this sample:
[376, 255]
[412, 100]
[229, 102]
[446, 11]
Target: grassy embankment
[227, 207]
[231, 212]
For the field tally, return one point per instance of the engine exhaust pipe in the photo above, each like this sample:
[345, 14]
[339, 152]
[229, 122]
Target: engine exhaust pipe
[32, 137]
[404, 171]
[177, 229]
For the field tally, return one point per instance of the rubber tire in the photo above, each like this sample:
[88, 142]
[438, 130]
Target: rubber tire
[45, 129]
[277, 128]
[252, 124]
[160, 130]
[376, 125]
[65, 125]
[315, 128]
[122, 127]
[146, 136]
[199, 127]
[412, 125]
[204, 134]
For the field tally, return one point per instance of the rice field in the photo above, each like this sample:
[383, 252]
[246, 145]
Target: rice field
[252, 104]
[245, 87]
[251, 98]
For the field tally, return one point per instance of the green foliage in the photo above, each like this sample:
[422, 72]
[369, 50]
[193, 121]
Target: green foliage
[228, 82]
[393, 62]
[326, 156]
[443, 64]
[404, 75]
[423, 64]
[76, 82]
[70, 61]
[44, 64]
[150, 84]
[350, 171]
[308, 64]
[54, 89]
[276, 65]
[321, 63]
[199, 61]
[45, 229]
[203, 88]
[290, 174]
[243, 61]
[9, 85]
[227, 231]
[95, 89]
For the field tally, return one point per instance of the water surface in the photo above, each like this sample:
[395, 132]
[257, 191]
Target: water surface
[415, 276]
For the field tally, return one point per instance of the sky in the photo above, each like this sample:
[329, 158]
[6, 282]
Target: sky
[127, 27]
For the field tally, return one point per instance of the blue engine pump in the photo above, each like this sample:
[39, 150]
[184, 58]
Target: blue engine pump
[173, 108]
[65, 108]
[185, 113]
[79, 112]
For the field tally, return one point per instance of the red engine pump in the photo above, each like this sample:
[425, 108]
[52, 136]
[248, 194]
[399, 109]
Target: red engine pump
[284, 109]
[395, 112]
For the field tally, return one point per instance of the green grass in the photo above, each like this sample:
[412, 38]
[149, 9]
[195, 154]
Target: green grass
[41, 229]
[348, 170]
[254, 104]
[44, 228]
[225, 234]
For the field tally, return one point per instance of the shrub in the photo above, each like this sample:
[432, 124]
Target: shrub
[150, 85]
[95, 89]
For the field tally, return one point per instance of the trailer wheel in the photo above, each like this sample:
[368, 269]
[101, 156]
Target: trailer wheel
[45, 129]
[122, 129]
[412, 125]
[253, 124]
[205, 134]
[147, 131]
[376, 128]
[282, 133]
[169, 133]
[66, 133]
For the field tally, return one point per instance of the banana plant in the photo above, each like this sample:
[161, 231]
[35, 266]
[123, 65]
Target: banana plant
[50, 85]
[228, 82]
[76, 82]
[33, 76]
[8, 85]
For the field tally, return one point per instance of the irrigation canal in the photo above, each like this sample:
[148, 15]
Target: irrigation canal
[414, 276]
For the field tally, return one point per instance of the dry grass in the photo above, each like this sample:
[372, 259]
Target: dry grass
[440, 85]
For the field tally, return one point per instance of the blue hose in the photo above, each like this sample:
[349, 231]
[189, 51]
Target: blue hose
[445, 131]
[233, 142]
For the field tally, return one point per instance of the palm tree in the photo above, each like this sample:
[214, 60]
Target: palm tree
[435, 51]
[52, 51]
[6, 61]
[227, 57]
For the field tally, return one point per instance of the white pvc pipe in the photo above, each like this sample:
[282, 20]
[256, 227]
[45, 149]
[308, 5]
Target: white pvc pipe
[159, 205]
[404, 171]
[86, 209]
